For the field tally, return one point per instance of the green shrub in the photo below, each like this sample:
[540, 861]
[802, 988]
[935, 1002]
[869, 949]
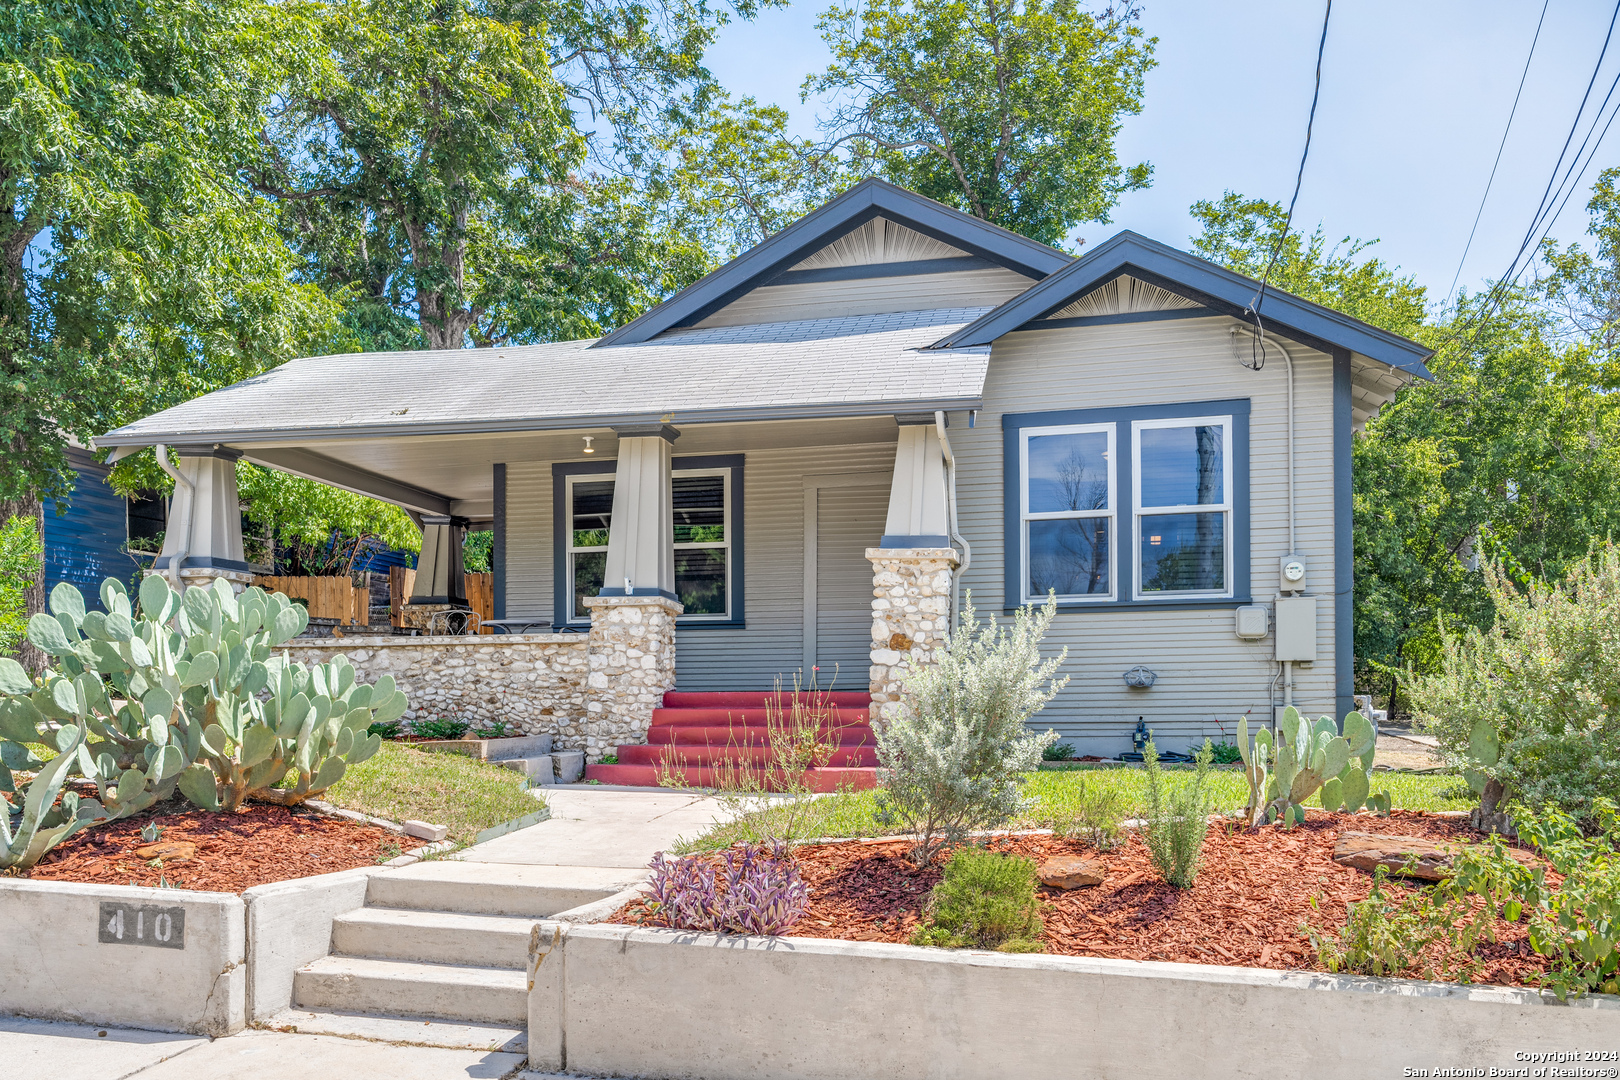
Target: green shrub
[954, 758]
[438, 727]
[1578, 924]
[20, 553]
[984, 901]
[1227, 753]
[1058, 751]
[1177, 819]
[1544, 679]
[1092, 811]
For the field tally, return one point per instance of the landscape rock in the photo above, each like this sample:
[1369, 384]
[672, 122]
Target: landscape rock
[424, 831]
[170, 851]
[1411, 856]
[1071, 872]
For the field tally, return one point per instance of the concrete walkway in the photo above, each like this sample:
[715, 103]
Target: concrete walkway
[592, 827]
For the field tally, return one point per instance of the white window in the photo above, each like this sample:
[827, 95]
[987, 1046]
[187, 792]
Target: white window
[702, 527]
[1181, 473]
[1069, 509]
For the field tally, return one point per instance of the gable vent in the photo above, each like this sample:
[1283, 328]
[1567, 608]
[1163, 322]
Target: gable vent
[1123, 296]
[878, 241]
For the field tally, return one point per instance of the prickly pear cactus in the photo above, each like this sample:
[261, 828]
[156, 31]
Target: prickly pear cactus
[45, 813]
[1256, 762]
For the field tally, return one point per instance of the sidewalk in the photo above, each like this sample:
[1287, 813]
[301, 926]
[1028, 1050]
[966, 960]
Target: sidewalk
[609, 828]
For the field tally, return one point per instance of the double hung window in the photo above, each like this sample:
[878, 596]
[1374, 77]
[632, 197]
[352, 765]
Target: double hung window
[1137, 504]
[702, 526]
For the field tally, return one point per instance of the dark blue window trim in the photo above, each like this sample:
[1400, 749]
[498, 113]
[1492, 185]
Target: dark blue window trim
[1012, 486]
[562, 470]
[497, 558]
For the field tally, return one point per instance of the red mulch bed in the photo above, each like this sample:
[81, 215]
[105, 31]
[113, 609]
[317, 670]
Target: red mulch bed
[254, 846]
[1245, 909]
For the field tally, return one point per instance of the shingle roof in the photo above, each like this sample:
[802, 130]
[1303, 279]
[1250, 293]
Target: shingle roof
[850, 366]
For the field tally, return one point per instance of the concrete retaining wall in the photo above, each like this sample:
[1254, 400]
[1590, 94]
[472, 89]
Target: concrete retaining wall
[289, 924]
[173, 963]
[615, 1000]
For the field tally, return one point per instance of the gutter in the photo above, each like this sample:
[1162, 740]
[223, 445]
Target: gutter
[184, 548]
[950, 514]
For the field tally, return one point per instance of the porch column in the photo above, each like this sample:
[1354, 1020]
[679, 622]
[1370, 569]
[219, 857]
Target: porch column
[203, 540]
[911, 567]
[632, 644]
[440, 572]
[641, 533]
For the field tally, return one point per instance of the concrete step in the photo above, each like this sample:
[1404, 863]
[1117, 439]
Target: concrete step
[688, 754]
[708, 776]
[400, 988]
[538, 769]
[438, 937]
[665, 735]
[496, 888]
[740, 716]
[403, 1030]
[681, 699]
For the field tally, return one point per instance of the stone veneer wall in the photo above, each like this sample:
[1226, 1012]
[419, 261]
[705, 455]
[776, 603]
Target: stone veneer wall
[911, 605]
[535, 682]
[632, 666]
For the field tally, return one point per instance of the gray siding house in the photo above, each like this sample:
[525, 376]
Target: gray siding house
[801, 459]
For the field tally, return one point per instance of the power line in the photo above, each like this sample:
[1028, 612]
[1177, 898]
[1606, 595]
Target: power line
[1500, 147]
[1299, 177]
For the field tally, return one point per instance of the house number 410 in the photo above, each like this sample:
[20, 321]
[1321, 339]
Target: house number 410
[142, 924]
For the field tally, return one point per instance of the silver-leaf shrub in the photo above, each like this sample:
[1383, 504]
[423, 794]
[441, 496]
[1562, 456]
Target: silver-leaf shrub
[953, 760]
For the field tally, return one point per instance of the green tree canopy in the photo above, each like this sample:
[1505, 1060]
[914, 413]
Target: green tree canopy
[1005, 111]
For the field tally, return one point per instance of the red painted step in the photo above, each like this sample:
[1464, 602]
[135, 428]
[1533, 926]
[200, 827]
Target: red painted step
[687, 699]
[855, 735]
[707, 776]
[686, 756]
[741, 716]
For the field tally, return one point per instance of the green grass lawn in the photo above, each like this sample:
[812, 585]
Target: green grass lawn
[1055, 794]
[444, 789]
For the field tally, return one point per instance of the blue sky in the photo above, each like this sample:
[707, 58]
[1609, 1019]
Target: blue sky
[1414, 98]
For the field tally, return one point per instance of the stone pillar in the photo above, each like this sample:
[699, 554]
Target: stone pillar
[641, 533]
[203, 540]
[917, 501]
[632, 666]
[911, 612]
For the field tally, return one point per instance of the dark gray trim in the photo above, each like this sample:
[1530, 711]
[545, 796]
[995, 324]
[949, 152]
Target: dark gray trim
[1344, 560]
[446, 519]
[830, 410]
[224, 453]
[869, 199]
[913, 268]
[919, 419]
[329, 471]
[497, 556]
[1124, 317]
[205, 562]
[1012, 485]
[895, 540]
[1129, 252]
[648, 431]
[562, 615]
[665, 593]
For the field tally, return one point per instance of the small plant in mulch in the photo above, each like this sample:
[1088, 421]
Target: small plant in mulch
[1058, 751]
[495, 729]
[1226, 753]
[1096, 813]
[986, 900]
[438, 727]
[755, 889]
[1177, 820]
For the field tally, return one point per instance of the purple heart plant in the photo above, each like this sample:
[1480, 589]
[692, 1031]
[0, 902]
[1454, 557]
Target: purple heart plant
[758, 890]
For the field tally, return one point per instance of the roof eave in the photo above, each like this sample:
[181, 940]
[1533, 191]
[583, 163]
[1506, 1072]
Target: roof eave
[740, 415]
[1218, 286]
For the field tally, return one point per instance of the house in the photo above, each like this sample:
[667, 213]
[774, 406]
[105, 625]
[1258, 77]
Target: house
[96, 533]
[798, 465]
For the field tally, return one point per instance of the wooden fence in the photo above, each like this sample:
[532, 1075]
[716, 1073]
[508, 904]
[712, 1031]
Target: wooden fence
[480, 594]
[328, 597]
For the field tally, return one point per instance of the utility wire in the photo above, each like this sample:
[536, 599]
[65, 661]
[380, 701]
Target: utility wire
[1500, 147]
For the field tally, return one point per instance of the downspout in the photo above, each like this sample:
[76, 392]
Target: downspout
[950, 514]
[183, 549]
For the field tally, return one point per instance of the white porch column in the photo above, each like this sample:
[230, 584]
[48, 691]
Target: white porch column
[641, 533]
[440, 572]
[912, 566]
[917, 507]
[203, 539]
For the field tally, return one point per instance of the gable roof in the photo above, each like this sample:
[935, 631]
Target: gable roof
[821, 228]
[1225, 292]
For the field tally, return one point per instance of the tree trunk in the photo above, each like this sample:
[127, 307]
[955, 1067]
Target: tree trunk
[34, 596]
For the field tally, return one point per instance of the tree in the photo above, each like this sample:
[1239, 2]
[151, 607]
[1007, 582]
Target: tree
[1005, 111]
[1512, 453]
[135, 269]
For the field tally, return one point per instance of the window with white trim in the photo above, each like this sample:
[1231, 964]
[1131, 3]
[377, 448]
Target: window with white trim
[703, 534]
[1069, 511]
[1181, 471]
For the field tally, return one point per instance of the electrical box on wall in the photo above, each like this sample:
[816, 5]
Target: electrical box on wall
[1252, 622]
[1296, 628]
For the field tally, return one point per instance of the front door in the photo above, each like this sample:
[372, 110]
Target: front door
[848, 519]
